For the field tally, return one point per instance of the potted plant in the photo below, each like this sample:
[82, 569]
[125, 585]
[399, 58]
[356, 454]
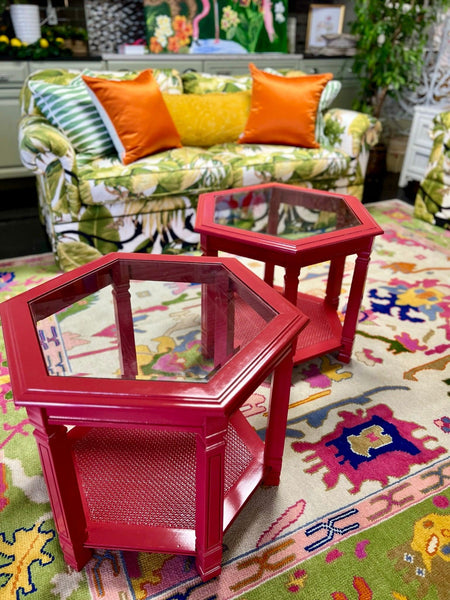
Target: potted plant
[390, 52]
[390, 47]
[25, 21]
[75, 38]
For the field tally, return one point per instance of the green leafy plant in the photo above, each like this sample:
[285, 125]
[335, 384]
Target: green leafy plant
[391, 41]
[67, 32]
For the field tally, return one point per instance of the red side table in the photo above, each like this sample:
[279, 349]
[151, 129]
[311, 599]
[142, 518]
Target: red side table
[135, 455]
[294, 227]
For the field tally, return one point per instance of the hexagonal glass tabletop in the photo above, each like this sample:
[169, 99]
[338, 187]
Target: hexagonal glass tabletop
[186, 325]
[286, 213]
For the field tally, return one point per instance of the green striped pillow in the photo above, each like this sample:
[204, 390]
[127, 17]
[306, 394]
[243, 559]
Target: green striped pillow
[70, 108]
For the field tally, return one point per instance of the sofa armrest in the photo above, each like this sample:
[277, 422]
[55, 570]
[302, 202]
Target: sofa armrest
[41, 144]
[353, 132]
[46, 151]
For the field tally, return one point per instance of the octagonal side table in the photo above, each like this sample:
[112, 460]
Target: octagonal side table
[136, 457]
[294, 227]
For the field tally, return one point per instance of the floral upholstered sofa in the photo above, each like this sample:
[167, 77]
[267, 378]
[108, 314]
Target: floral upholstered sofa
[432, 203]
[92, 203]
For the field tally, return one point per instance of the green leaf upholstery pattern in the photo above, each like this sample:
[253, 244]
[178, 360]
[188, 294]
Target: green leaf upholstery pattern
[256, 163]
[91, 205]
[432, 202]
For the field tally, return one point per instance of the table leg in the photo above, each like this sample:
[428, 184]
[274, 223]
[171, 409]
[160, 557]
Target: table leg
[207, 306]
[210, 497]
[354, 304]
[291, 277]
[223, 321]
[276, 426]
[124, 324]
[334, 283]
[62, 486]
[273, 218]
[269, 273]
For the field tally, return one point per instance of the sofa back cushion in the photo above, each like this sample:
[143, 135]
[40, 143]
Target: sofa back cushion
[169, 80]
[210, 83]
[209, 119]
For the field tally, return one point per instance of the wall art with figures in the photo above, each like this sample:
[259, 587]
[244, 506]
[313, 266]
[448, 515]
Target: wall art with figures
[216, 26]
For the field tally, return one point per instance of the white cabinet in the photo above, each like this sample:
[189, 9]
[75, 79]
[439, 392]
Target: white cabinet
[419, 144]
[237, 65]
[77, 65]
[12, 76]
[115, 62]
[209, 63]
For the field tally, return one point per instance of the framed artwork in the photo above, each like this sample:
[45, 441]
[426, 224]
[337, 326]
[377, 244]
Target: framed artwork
[323, 19]
[216, 26]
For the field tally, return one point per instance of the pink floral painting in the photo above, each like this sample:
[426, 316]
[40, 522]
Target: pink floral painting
[216, 26]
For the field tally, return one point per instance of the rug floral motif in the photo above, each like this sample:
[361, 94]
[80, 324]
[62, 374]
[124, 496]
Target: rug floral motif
[363, 508]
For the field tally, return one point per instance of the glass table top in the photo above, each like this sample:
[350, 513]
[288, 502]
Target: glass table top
[291, 214]
[181, 327]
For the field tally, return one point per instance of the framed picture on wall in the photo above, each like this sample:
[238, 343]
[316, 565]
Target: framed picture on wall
[323, 19]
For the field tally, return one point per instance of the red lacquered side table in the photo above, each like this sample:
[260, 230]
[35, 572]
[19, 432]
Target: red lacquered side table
[142, 443]
[294, 227]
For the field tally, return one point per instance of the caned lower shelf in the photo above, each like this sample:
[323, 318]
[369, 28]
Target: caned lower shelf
[322, 334]
[138, 485]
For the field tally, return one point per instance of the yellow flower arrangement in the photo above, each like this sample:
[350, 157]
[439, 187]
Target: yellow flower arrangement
[47, 46]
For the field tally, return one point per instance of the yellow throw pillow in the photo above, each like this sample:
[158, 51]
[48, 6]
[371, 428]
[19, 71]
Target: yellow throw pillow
[209, 119]
[134, 114]
[283, 109]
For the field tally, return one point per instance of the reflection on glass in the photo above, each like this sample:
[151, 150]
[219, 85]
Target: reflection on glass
[157, 330]
[289, 214]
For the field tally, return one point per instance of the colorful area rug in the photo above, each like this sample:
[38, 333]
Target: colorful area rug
[363, 508]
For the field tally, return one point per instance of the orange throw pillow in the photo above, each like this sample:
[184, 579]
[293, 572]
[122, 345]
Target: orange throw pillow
[135, 115]
[283, 109]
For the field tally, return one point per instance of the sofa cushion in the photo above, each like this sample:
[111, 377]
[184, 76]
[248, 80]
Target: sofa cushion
[209, 119]
[210, 83]
[70, 108]
[168, 80]
[252, 164]
[134, 114]
[283, 109]
[186, 170]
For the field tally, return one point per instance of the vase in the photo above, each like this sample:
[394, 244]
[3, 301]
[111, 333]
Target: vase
[26, 22]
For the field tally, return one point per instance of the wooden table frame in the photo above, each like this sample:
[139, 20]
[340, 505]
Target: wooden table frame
[92, 406]
[324, 333]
